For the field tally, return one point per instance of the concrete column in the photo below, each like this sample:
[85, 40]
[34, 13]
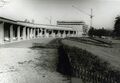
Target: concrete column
[11, 32]
[34, 33]
[58, 34]
[40, 33]
[24, 33]
[63, 35]
[18, 33]
[47, 34]
[68, 34]
[28, 33]
[54, 34]
[51, 33]
[2, 33]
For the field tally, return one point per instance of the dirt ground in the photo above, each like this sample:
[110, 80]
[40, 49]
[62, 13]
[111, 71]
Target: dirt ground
[28, 65]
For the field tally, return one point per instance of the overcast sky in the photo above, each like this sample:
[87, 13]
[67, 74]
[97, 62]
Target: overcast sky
[105, 11]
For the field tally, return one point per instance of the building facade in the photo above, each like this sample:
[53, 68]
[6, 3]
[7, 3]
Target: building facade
[79, 26]
[11, 30]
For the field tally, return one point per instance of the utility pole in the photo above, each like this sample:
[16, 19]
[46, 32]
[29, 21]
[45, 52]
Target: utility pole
[49, 19]
[90, 15]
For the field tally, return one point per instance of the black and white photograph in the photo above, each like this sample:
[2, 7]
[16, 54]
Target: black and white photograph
[59, 41]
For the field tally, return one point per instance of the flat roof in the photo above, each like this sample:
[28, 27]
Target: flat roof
[55, 27]
[22, 23]
[70, 22]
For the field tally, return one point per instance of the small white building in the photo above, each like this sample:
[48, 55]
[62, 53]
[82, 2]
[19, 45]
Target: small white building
[79, 26]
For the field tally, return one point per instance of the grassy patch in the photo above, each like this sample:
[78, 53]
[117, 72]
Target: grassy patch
[88, 66]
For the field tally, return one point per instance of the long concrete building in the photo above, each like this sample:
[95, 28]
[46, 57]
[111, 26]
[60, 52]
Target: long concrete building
[11, 30]
[79, 26]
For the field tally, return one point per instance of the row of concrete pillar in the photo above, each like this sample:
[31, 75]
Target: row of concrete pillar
[16, 33]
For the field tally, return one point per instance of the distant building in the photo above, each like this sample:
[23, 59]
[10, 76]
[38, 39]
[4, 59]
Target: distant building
[79, 26]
